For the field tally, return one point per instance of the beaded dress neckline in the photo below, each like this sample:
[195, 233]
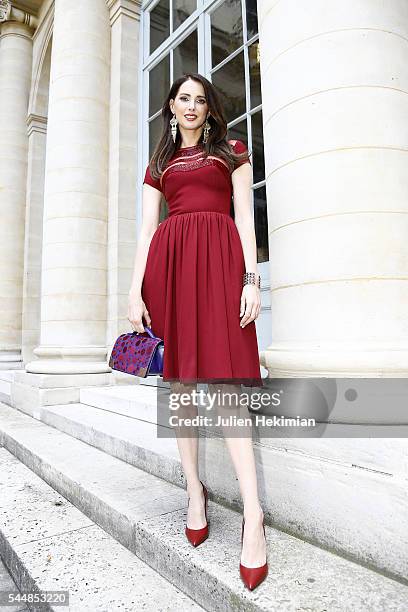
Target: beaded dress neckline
[190, 147]
[188, 150]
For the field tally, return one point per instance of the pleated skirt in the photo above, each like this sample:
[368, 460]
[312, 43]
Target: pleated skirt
[192, 289]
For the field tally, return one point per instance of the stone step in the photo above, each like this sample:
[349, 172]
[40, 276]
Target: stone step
[146, 514]
[138, 401]
[315, 493]
[6, 379]
[125, 437]
[7, 584]
[48, 544]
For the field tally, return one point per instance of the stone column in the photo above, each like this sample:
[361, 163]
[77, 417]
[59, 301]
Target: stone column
[15, 79]
[74, 257]
[335, 111]
[335, 114]
[123, 167]
[73, 296]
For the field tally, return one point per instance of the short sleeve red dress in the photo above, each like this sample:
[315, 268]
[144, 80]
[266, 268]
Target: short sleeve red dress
[193, 278]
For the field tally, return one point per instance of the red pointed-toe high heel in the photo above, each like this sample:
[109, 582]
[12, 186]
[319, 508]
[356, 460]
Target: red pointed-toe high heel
[252, 576]
[197, 536]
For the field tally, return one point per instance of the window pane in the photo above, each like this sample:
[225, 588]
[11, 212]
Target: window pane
[155, 128]
[185, 56]
[258, 147]
[181, 10]
[159, 24]
[226, 30]
[255, 74]
[159, 85]
[261, 224]
[251, 18]
[230, 82]
[239, 132]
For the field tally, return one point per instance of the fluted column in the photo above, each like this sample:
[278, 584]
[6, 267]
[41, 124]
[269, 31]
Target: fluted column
[123, 167]
[335, 114]
[74, 260]
[15, 79]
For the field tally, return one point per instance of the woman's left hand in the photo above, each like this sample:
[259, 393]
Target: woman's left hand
[250, 304]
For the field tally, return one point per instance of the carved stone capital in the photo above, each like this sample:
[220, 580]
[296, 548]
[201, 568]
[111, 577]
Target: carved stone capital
[8, 12]
[5, 10]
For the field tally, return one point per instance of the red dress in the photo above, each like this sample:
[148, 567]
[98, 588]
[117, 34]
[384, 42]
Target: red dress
[193, 278]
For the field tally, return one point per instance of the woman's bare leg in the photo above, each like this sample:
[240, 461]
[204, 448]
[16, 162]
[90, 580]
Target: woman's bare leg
[242, 455]
[187, 442]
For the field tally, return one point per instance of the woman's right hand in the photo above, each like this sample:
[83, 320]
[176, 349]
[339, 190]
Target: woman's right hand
[136, 311]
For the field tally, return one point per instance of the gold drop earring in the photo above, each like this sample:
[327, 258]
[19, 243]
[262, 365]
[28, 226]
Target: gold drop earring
[173, 123]
[207, 128]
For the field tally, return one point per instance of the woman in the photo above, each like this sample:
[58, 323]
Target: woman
[196, 283]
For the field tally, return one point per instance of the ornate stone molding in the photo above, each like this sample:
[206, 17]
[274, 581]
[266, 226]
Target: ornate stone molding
[36, 123]
[8, 12]
[5, 10]
[130, 8]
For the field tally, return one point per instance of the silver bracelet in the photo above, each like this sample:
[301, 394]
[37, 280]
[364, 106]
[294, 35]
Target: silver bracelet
[249, 278]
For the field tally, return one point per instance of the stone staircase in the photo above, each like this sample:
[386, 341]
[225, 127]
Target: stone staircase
[93, 501]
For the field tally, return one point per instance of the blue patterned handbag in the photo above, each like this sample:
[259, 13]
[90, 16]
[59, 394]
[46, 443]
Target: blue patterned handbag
[137, 354]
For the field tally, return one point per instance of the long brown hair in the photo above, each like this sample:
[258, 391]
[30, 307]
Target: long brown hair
[216, 144]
